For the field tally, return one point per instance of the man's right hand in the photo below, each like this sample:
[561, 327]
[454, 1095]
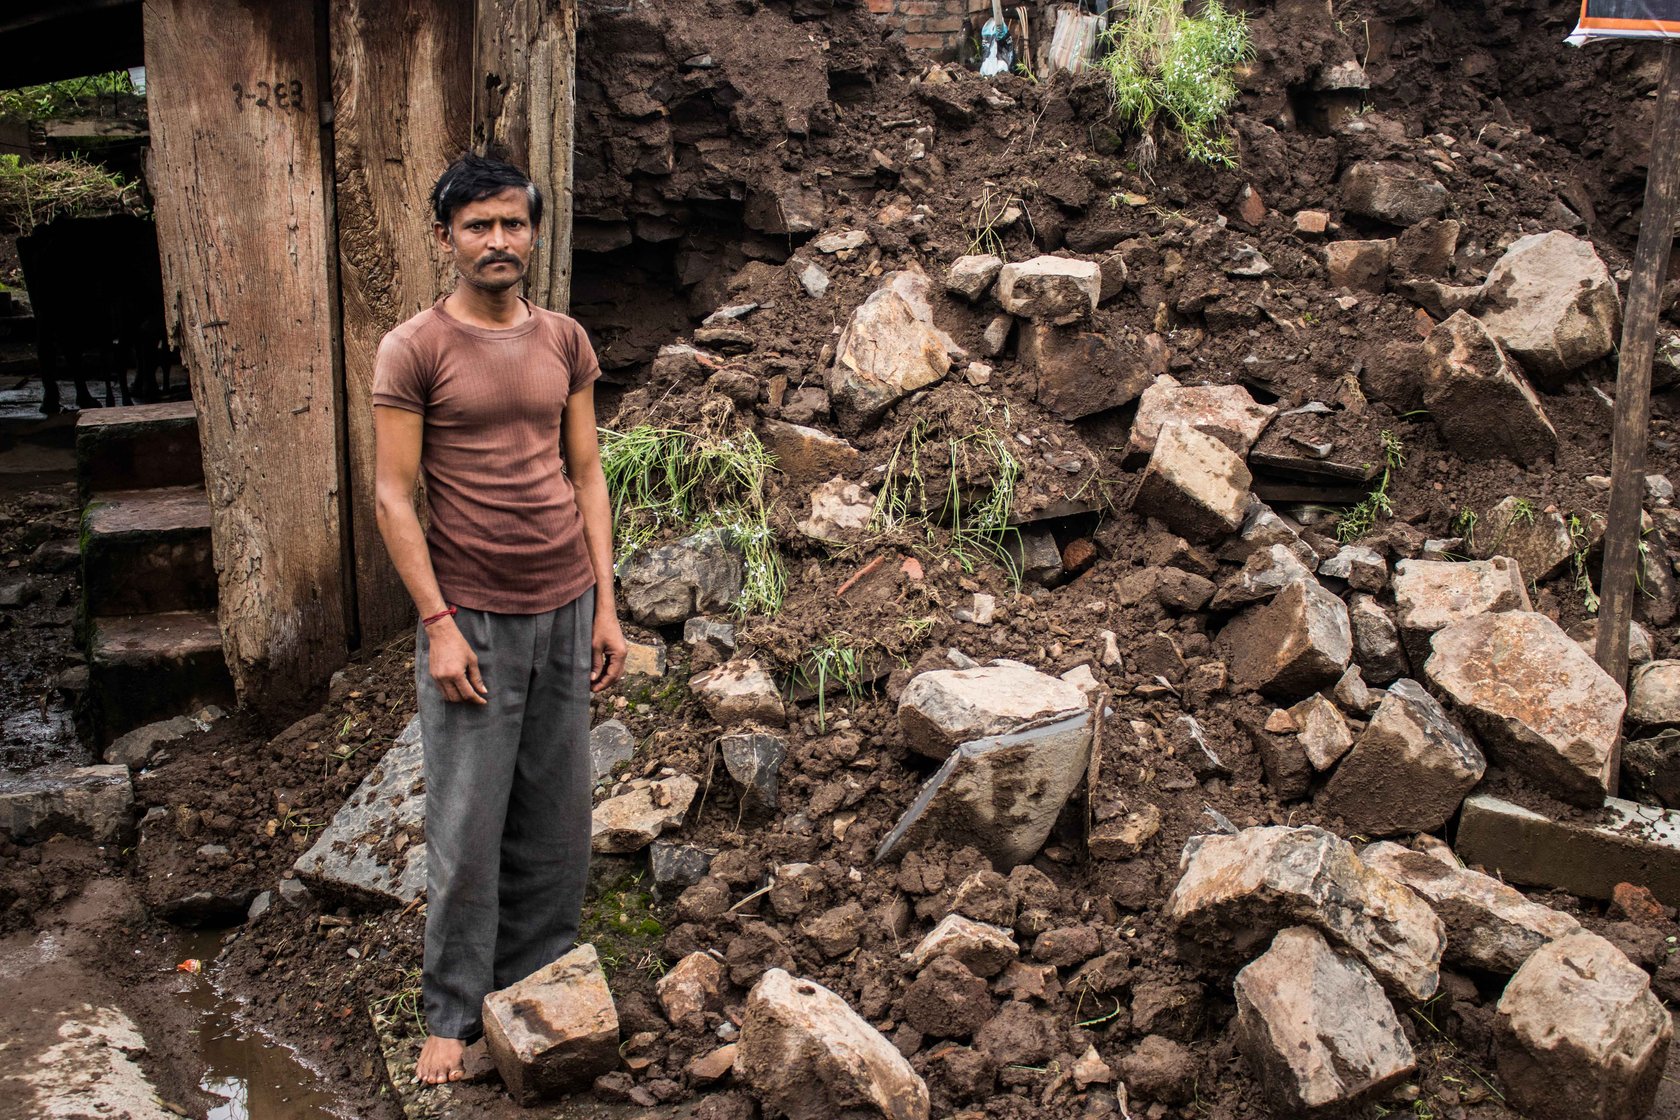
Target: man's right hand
[454, 665]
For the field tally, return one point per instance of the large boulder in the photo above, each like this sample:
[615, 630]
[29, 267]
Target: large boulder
[1539, 703]
[372, 852]
[1298, 643]
[1391, 193]
[940, 709]
[1316, 1027]
[1236, 890]
[1481, 404]
[1225, 412]
[889, 349]
[1430, 595]
[1538, 541]
[1194, 484]
[1410, 769]
[1551, 304]
[808, 1056]
[1580, 1035]
[670, 584]
[1057, 290]
[554, 1031]
[92, 801]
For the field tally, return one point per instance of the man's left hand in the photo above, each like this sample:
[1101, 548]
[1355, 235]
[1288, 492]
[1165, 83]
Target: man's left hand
[608, 644]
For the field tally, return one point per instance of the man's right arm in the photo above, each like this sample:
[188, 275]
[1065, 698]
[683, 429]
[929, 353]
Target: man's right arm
[397, 436]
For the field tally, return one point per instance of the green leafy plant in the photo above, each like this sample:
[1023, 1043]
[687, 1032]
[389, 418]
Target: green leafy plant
[1362, 518]
[974, 504]
[1580, 540]
[1464, 525]
[1522, 512]
[664, 479]
[32, 194]
[66, 98]
[836, 661]
[1165, 65]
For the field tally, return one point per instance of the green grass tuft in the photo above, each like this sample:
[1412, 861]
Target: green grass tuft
[974, 501]
[1362, 518]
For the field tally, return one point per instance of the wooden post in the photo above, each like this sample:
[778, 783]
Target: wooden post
[236, 170]
[524, 110]
[402, 97]
[1633, 378]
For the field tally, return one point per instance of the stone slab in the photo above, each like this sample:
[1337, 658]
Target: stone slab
[352, 860]
[1638, 844]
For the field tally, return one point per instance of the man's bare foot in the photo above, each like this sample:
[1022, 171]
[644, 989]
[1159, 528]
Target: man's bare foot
[440, 1061]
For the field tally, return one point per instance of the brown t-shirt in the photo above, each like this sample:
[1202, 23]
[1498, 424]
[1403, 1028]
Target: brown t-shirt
[505, 533]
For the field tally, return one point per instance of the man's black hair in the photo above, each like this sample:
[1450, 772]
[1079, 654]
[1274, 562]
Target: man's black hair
[474, 178]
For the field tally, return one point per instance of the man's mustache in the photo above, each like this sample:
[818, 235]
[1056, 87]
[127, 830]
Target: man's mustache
[497, 258]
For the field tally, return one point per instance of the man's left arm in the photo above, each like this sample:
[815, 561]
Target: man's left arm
[582, 448]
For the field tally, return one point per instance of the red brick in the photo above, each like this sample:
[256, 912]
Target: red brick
[925, 42]
[919, 7]
[947, 24]
[881, 7]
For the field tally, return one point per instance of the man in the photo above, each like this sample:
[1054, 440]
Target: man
[493, 400]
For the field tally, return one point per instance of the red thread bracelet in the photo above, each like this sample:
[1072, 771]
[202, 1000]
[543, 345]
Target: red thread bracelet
[447, 612]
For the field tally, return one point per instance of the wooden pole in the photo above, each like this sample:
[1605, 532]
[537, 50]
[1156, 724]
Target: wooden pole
[1633, 378]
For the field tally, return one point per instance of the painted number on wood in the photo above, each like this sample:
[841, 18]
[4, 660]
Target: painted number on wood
[285, 96]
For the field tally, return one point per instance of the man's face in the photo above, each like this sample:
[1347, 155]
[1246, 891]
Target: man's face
[490, 240]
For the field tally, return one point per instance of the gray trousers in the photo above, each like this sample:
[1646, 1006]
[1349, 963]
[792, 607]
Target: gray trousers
[507, 809]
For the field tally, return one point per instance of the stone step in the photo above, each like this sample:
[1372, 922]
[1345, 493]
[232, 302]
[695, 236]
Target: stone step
[152, 666]
[137, 447]
[147, 550]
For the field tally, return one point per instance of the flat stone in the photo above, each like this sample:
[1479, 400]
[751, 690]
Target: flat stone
[1654, 695]
[1538, 541]
[1000, 795]
[1298, 643]
[1125, 837]
[971, 276]
[136, 748]
[646, 660]
[1580, 1035]
[807, 455]
[610, 746]
[1226, 412]
[1238, 889]
[1480, 402]
[554, 1031]
[981, 947]
[1430, 595]
[705, 1069]
[754, 759]
[1410, 769]
[941, 709]
[1194, 484]
[693, 986]
[1361, 568]
[1489, 925]
[1050, 289]
[807, 1055]
[840, 241]
[840, 512]
[95, 802]
[1538, 702]
[1639, 843]
[356, 859]
[631, 821]
[1391, 193]
[1262, 528]
[670, 584]
[1552, 305]
[1360, 266]
[1316, 1027]
[996, 335]
[715, 636]
[739, 692]
[889, 349]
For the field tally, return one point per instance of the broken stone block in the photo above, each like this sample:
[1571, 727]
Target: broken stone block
[666, 585]
[1238, 889]
[1050, 289]
[1654, 695]
[971, 276]
[1316, 1027]
[92, 801]
[1352, 694]
[645, 659]
[1580, 1035]
[1552, 305]
[808, 1056]
[554, 1031]
[1489, 925]
[1266, 572]
[1376, 641]
[1194, 484]
[812, 276]
[1430, 595]
[1296, 644]
[1481, 404]
[1361, 266]
[355, 858]
[631, 821]
[1000, 795]
[1321, 731]
[841, 241]
[805, 455]
[945, 707]
[840, 512]
[1539, 703]
[1640, 650]
[754, 760]
[1637, 843]
[1282, 760]
[1080, 373]
[694, 986]
[1036, 557]
[889, 349]
[137, 746]
[982, 948]
[739, 692]
[1410, 769]
[1391, 193]
[1225, 412]
[995, 337]
[1539, 542]
[610, 745]
[717, 638]
[1262, 528]
[1361, 568]
[677, 865]
[1125, 837]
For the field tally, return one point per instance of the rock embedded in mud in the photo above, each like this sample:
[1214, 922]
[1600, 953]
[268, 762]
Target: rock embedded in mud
[805, 455]
[92, 801]
[1001, 795]
[1481, 404]
[840, 512]
[694, 986]
[1057, 290]
[941, 709]
[1299, 642]
[754, 760]
[1410, 770]
[1125, 837]
[354, 858]
[808, 1056]
[889, 349]
[1236, 890]
[631, 821]
[1020, 1035]
[1321, 730]
[1159, 1069]
[1266, 572]
[670, 584]
[983, 949]
[1552, 305]
[1430, 595]
[610, 745]
[947, 1000]
[555, 1030]
[1361, 266]
[1174, 1009]
[971, 276]
[1654, 695]
[1580, 1035]
[837, 931]
[985, 896]
[1194, 484]
[674, 864]
[1226, 412]
[1316, 1027]
[1077, 373]
[1489, 925]
[1376, 641]
[1538, 541]
[135, 748]
[740, 691]
[1539, 703]
[1391, 193]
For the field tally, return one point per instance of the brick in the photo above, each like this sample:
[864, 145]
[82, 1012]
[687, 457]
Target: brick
[919, 8]
[946, 24]
[881, 7]
[922, 41]
[1640, 845]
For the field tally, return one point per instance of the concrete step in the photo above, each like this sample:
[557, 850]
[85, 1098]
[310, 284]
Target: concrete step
[149, 667]
[147, 550]
[137, 447]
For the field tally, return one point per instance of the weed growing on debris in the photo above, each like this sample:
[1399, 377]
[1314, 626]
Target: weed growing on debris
[1164, 64]
[1464, 525]
[32, 194]
[975, 502]
[400, 1011]
[1362, 518]
[619, 920]
[837, 661]
[1580, 541]
[665, 479]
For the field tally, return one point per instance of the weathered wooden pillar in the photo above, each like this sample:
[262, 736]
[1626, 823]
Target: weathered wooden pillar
[524, 110]
[402, 82]
[236, 169]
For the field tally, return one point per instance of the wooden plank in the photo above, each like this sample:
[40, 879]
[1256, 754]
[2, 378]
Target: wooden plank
[236, 169]
[402, 102]
[1633, 379]
[524, 110]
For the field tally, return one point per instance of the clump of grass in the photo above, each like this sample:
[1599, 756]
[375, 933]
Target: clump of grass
[838, 660]
[1165, 65]
[400, 1010]
[1362, 518]
[68, 97]
[619, 920]
[665, 479]
[974, 502]
[33, 194]
[1464, 525]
